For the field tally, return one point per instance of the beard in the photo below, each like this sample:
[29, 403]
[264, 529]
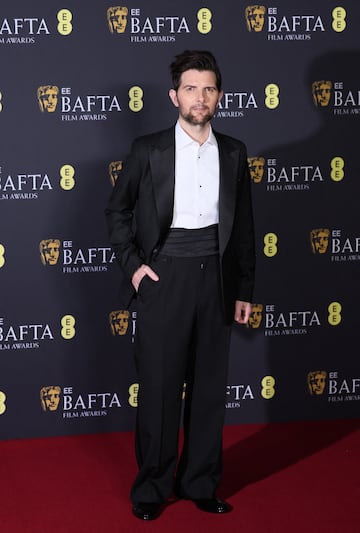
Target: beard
[198, 120]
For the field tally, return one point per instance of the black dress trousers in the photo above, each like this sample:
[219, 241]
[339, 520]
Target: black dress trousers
[181, 337]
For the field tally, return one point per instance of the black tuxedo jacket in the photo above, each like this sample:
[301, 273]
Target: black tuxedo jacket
[140, 213]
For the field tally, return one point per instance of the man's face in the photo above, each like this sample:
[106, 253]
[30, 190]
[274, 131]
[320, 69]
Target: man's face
[51, 253]
[196, 97]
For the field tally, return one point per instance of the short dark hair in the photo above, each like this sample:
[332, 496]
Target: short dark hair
[194, 59]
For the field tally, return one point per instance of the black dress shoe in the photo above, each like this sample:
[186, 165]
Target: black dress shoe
[146, 510]
[212, 505]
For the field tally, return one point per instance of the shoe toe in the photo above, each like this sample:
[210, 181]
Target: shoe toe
[213, 505]
[146, 510]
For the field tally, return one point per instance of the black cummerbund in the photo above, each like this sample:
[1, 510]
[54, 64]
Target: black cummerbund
[197, 242]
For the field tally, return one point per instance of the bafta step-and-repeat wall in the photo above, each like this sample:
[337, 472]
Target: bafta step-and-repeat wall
[78, 82]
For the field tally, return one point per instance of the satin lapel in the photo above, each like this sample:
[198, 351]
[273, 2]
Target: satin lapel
[229, 156]
[162, 165]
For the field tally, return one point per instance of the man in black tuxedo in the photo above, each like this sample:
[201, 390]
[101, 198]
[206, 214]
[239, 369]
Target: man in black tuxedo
[180, 221]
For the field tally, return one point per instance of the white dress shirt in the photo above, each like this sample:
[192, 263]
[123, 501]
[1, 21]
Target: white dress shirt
[196, 198]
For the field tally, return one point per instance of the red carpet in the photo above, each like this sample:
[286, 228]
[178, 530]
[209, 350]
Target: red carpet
[289, 477]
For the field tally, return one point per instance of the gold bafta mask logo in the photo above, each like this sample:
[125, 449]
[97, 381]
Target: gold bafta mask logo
[319, 240]
[321, 92]
[49, 251]
[50, 398]
[255, 317]
[48, 98]
[255, 17]
[256, 167]
[117, 19]
[119, 322]
[316, 382]
[115, 168]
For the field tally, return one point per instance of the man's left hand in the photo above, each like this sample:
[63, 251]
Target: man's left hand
[242, 311]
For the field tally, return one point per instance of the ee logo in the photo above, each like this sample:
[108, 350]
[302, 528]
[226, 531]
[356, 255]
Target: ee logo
[67, 173]
[334, 316]
[68, 327]
[337, 168]
[268, 390]
[272, 96]
[133, 394]
[204, 16]
[339, 22]
[2, 255]
[270, 241]
[136, 99]
[64, 26]
[2, 402]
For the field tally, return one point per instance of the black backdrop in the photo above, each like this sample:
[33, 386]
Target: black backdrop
[77, 85]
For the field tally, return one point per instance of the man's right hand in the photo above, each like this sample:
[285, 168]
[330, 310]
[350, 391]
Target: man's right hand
[143, 270]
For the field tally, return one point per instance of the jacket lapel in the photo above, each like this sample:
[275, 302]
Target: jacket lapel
[162, 166]
[228, 155]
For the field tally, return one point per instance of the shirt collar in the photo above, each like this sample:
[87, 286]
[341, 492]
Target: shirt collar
[182, 139]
